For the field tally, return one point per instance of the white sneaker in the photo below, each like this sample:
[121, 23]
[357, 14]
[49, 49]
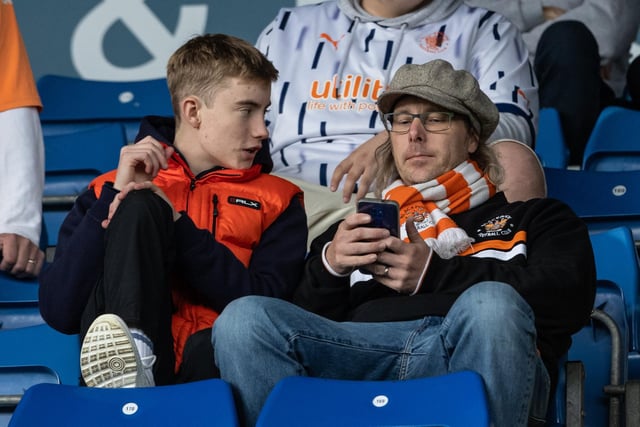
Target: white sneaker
[109, 357]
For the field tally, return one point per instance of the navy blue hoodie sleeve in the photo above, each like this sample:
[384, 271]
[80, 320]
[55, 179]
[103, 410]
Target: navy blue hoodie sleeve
[65, 285]
[274, 270]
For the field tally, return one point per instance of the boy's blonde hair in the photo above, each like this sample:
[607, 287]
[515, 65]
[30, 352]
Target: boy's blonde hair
[203, 63]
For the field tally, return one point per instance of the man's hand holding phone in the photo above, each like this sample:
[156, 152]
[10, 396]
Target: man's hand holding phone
[399, 265]
[384, 214]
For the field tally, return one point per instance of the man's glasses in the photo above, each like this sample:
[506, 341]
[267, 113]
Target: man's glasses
[432, 121]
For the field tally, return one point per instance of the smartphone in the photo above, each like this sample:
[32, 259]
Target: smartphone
[384, 214]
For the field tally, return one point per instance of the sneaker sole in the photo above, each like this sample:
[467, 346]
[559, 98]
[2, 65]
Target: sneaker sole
[109, 357]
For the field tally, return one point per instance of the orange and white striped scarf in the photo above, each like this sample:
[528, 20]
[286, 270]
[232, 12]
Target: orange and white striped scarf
[456, 191]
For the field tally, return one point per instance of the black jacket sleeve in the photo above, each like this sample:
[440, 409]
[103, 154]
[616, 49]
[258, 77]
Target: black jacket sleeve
[65, 285]
[556, 276]
[320, 291]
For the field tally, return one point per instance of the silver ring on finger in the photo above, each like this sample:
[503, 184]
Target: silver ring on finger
[31, 261]
[385, 273]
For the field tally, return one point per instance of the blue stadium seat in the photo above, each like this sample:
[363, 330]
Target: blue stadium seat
[52, 219]
[40, 345]
[453, 400]
[73, 159]
[603, 353]
[550, 146]
[14, 380]
[19, 297]
[199, 403]
[617, 261]
[605, 348]
[33, 355]
[603, 200]
[614, 144]
[85, 123]
[17, 290]
[18, 302]
[70, 103]
[609, 203]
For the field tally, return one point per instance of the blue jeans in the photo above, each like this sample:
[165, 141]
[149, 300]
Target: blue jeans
[490, 329]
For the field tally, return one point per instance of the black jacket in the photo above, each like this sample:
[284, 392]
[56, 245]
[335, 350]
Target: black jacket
[547, 258]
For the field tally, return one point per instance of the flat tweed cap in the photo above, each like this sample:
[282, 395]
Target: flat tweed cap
[455, 90]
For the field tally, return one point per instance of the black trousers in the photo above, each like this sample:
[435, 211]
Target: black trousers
[136, 285]
[567, 65]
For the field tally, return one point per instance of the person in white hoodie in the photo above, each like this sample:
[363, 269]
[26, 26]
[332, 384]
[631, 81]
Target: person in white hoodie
[580, 51]
[336, 57]
[21, 155]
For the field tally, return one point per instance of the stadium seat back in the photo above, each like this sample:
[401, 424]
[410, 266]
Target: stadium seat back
[593, 349]
[617, 261]
[550, 146]
[32, 355]
[198, 403]
[18, 302]
[73, 159]
[40, 345]
[603, 200]
[14, 290]
[452, 400]
[614, 144]
[71, 102]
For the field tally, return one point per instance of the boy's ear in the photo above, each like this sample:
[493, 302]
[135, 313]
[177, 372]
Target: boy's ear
[191, 111]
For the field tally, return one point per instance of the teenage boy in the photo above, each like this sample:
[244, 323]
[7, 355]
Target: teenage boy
[188, 222]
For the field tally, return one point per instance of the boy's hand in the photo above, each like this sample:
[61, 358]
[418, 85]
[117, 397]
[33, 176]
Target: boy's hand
[141, 162]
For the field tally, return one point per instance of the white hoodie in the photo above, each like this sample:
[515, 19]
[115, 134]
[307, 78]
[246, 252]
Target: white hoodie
[335, 60]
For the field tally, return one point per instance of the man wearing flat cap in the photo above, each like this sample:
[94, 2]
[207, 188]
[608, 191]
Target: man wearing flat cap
[473, 282]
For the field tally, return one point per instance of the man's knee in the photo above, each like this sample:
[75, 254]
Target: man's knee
[568, 32]
[565, 42]
[239, 319]
[496, 305]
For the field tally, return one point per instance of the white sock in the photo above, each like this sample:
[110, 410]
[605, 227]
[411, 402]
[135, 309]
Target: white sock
[145, 350]
[143, 343]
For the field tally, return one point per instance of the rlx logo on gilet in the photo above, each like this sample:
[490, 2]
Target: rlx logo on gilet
[244, 202]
